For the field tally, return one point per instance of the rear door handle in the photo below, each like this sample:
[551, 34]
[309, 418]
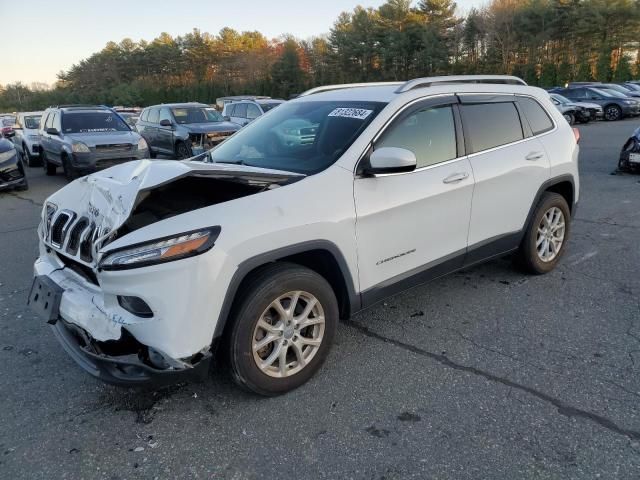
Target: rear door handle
[533, 156]
[455, 177]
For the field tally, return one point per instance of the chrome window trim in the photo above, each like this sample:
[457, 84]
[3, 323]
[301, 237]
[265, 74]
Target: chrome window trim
[384, 127]
[471, 155]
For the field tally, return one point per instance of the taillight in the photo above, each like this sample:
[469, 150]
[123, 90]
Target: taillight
[576, 133]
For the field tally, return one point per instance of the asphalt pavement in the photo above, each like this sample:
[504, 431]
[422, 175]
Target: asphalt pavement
[487, 373]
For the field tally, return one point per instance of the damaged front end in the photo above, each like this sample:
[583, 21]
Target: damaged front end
[629, 160]
[125, 310]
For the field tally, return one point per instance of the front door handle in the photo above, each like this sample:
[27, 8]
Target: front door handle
[533, 156]
[456, 177]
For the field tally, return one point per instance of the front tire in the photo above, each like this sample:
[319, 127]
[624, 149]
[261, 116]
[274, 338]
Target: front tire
[282, 329]
[69, 170]
[569, 118]
[182, 151]
[612, 113]
[49, 168]
[546, 235]
[31, 161]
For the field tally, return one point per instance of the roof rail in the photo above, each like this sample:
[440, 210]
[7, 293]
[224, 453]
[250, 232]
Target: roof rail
[327, 88]
[78, 105]
[453, 79]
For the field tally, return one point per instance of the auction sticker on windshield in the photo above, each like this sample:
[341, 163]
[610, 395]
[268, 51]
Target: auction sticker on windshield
[358, 113]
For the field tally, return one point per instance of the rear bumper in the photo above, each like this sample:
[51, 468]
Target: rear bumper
[125, 371]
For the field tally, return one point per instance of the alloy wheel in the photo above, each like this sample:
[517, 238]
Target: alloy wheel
[612, 113]
[550, 235]
[288, 334]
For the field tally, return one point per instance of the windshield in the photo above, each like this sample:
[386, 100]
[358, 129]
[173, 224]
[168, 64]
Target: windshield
[269, 106]
[560, 98]
[618, 88]
[32, 122]
[93, 122]
[633, 87]
[611, 93]
[196, 115]
[302, 137]
[8, 121]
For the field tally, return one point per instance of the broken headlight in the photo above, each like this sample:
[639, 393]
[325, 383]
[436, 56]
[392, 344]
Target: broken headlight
[161, 250]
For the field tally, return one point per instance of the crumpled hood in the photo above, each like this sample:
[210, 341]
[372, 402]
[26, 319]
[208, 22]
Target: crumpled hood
[211, 127]
[92, 139]
[108, 197]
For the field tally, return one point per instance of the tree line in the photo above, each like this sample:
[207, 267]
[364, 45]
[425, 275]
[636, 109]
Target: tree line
[546, 42]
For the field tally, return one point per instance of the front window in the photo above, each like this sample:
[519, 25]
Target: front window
[32, 122]
[302, 137]
[93, 122]
[189, 115]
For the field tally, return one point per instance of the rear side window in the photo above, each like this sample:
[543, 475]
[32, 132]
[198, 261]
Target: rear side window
[537, 117]
[253, 111]
[145, 115]
[430, 133]
[240, 110]
[154, 115]
[489, 125]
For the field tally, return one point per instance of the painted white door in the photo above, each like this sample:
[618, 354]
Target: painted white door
[508, 170]
[409, 222]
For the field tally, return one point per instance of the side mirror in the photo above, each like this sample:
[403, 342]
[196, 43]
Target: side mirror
[390, 160]
[166, 123]
[53, 131]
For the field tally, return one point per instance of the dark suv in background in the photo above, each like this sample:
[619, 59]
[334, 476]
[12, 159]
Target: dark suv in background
[83, 138]
[183, 129]
[614, 104]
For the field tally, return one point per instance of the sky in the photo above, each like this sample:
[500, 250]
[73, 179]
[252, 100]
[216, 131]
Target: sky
[50, 36]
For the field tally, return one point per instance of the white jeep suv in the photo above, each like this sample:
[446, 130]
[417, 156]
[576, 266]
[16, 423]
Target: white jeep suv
[260, 245]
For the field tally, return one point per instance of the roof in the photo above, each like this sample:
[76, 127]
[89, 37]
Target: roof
[180, 105]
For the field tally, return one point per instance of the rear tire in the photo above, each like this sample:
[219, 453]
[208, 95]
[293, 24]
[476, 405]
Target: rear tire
[546, 236]
[49, 168]
[290, 353]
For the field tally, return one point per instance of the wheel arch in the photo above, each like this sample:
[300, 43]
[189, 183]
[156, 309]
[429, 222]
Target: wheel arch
[321, 256]
[563, 185]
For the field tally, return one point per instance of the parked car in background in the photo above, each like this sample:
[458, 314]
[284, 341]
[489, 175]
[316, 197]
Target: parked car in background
[617, 88]
[183, 130]
[26, 137]
[222, 101]
[633, 86]
[12, 171]
[84, 138]
[582, 112]
[131, 118]
[629, 160]
[6, 125]
[615, 106]
[263, 247]
[570, 111]
[246, 111]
